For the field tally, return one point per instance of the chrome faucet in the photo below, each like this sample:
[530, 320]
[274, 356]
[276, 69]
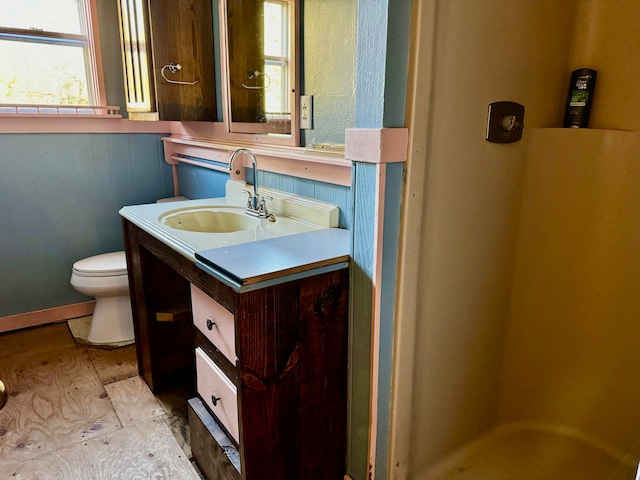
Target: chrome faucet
[256, 206]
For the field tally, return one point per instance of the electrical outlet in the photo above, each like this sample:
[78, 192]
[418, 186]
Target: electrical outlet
[306, 111]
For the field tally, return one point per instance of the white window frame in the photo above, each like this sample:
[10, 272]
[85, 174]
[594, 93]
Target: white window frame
[282, 61]
[93, 64]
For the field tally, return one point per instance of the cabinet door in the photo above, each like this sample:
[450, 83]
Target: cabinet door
[182, 33]
[245, 25]
[159, 33]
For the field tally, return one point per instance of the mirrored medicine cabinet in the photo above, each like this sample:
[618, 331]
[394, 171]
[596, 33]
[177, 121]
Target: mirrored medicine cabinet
[259, 68]
[168, 58]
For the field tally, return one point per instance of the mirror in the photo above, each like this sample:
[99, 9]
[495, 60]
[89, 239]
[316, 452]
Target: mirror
[259, 71]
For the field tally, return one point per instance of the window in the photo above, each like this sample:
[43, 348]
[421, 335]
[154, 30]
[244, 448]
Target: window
[48, 57]
[259, 59]
[276, 56]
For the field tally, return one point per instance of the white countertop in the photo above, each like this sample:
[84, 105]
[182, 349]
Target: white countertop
[187, 243]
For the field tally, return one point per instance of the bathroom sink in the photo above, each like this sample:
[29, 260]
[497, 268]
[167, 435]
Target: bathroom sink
[209, 219]
[192, 226]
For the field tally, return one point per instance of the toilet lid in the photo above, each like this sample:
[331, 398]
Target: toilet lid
[105, 265]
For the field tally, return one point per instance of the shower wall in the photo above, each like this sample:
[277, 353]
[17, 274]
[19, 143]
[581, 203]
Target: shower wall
[605, 38]
[482, 52]
[528, 253]
[572, 356]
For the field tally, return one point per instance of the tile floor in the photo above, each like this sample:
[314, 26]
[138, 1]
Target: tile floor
[79, 412]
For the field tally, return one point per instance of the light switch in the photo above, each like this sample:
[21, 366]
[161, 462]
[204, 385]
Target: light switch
[306, 112]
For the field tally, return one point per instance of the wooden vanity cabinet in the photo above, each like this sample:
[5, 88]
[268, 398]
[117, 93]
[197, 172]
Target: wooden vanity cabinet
[159, 33]
[289, 369]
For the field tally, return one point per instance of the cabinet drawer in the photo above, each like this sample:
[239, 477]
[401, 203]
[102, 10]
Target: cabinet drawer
[218, 392]
[215, 322]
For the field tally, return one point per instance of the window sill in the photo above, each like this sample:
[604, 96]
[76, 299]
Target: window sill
[83, 116]
[42, 123]
[87, 111]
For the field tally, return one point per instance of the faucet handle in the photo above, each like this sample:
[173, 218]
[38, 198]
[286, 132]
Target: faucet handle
[262, 207]
[249, 199]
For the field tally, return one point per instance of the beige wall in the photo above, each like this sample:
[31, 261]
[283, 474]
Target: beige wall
[523, 303]
[469, 192]
[572, 356]
[607, 40]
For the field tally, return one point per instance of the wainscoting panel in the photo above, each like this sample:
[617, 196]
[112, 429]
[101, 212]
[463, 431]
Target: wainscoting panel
[327, 192]
[59, 201]
[197, 182]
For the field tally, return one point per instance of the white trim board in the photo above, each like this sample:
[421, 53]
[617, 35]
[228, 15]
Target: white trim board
[46, 316]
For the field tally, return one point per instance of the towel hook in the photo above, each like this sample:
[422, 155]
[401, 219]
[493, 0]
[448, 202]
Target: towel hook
[253, 74]
[173, 68]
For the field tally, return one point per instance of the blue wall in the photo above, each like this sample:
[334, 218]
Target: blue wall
[197, 182]
[59, 201]
[381, 86]
[326, 192]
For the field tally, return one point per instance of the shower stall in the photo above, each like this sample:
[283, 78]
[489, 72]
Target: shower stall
[516, 352]
[568, 397]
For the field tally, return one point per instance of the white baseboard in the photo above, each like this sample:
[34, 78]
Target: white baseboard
[43, 317]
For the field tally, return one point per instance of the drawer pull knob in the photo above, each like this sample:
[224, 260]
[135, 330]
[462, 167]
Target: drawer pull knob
[215, 400]
[210, 324]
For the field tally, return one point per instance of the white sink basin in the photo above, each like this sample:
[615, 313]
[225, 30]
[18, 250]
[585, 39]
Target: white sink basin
[209, 219]
[191, 226]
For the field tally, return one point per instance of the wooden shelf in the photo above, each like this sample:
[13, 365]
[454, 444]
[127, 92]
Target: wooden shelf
[174, 314]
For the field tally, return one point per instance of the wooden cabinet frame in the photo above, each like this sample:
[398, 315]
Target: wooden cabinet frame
[291, 342]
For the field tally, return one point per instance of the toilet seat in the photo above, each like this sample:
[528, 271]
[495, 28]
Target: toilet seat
[104, 265]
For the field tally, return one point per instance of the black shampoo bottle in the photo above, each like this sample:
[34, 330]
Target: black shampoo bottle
[580, 98]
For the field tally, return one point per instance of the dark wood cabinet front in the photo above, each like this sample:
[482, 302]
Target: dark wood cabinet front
[168, 59]
[290, 372]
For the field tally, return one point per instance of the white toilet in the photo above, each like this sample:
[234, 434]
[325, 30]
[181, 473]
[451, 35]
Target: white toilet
[105, 278]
